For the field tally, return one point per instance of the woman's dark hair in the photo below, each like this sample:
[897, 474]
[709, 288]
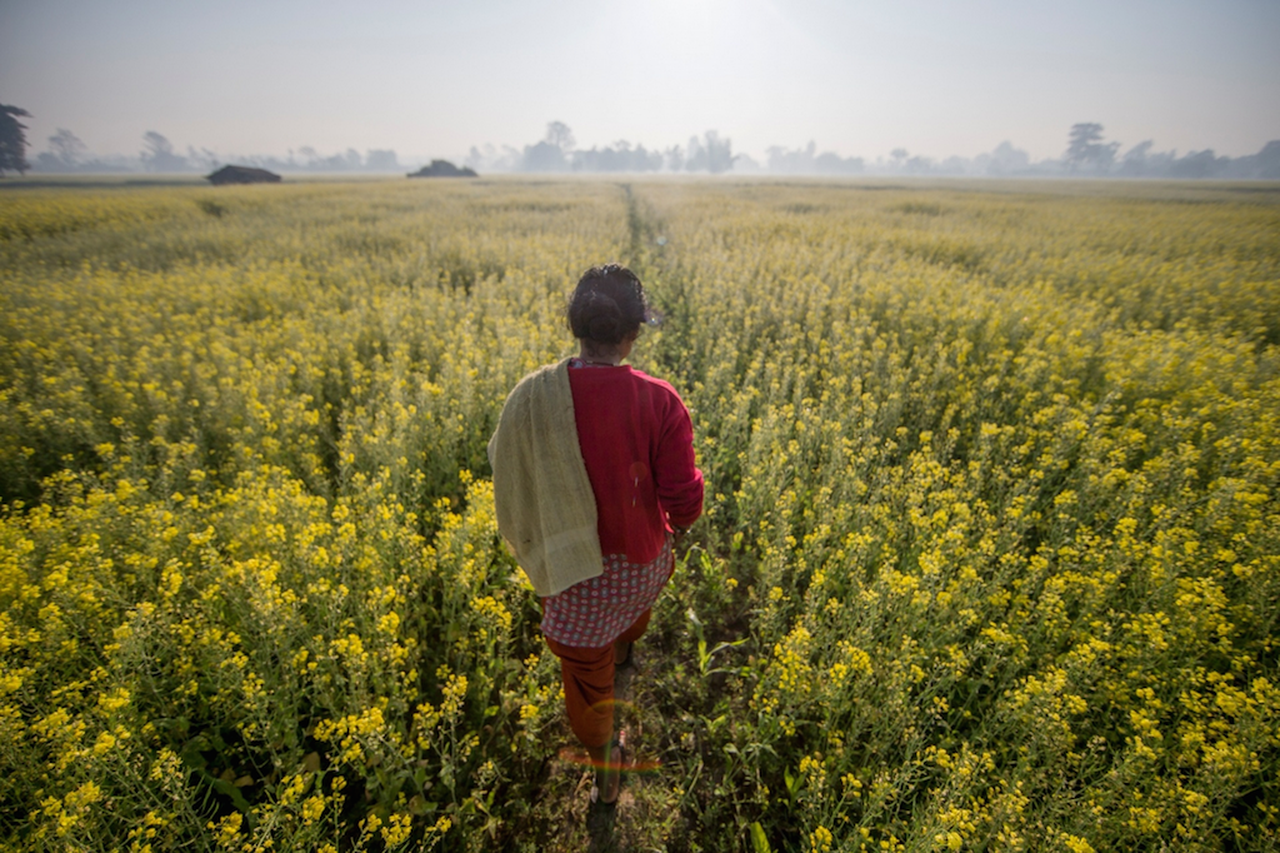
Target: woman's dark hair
[608, 305]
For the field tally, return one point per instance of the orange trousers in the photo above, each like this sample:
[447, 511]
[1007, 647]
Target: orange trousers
[587, 675]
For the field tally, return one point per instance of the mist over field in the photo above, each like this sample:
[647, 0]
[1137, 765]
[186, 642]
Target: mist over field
[989, 555]
[989, 552]
[1087, 155]
[1180, 89]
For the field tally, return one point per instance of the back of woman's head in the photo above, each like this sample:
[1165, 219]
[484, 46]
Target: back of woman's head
[608, 306]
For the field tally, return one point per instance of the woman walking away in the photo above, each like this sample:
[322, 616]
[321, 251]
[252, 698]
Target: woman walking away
[593, 473]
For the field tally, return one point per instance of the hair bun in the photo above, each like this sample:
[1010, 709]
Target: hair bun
[604, 318]
[608, 306]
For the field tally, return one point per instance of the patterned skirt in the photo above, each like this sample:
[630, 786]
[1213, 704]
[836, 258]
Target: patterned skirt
[593, 613]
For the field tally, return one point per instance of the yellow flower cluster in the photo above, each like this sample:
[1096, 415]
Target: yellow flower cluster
[992, 475]
[240, 530]
[1000, 470]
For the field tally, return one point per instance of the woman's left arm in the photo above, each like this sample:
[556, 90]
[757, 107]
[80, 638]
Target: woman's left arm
[676, 474]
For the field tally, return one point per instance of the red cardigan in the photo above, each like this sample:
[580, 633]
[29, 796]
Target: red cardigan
[637, 443]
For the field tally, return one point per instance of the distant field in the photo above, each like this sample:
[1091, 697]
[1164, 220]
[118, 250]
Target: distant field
[990, 558]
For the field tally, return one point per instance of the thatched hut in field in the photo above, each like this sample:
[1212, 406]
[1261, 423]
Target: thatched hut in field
[443, 169]
[242, 175]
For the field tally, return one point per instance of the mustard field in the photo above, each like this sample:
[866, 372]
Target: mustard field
[990, 558]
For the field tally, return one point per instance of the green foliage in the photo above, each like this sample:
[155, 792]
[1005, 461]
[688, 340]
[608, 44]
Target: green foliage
[13, 140]
[989, 557]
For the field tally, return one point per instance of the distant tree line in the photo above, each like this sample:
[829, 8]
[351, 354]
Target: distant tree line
[1088, 154]
[67, 153]
[555, 152]
[806, 161]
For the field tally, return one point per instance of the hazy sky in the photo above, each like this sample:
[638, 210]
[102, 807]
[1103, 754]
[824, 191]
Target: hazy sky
[433, 78]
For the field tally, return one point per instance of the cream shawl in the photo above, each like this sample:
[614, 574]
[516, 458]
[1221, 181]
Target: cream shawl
[546, 509]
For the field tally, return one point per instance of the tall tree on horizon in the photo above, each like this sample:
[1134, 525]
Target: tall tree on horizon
[1086, 148]
[559, 135]
[67, 147]
[13, 140]
[159, 156]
